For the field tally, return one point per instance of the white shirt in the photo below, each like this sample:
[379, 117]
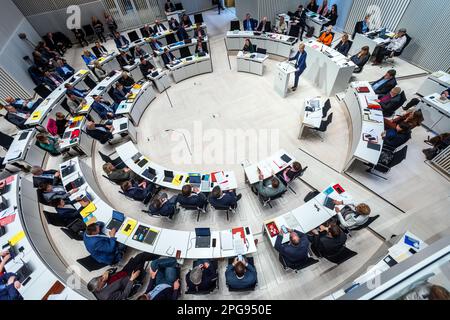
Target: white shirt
[397, 44]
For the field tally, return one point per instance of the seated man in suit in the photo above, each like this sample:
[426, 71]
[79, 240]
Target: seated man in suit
[100, 132]
[249, 23]
[391, 101]
[119, 285]
[395, 45]
[269, 188]
[182, 34]
[125, 59]
[50, 192]
[199, 33]
[191, 196]
[202, 277]
[67, 214]
[103, 108]
[397, 137]
[9, 286]
[264, 25]
[295, 252]
[127, 81]
[99, 50]
[163, 206]
[156, 45]
[385, 84]
[185, 21]
[351, 216]
[70, 89]
[52, 80]
[24, 105]
[362, 27]
[146, 67]
[173, 24]
[73, 102]
[64, 69]
[120, 41]
[164, 281]
[159, 27]
[15, 116]
[224, 198]
[49, 176]
[168, 57]
[241, 275]
[142, 191]
[327, 241]
[103, 248]
[139, 52]
[147, 31]
[120, 93]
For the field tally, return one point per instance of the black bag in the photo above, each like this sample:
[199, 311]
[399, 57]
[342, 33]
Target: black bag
[430, 153]
[311, 195]
[310, 32]
[386, 158]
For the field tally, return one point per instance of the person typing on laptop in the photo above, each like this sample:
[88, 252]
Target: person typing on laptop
[351, 216]
[295, 252]
[103, 248]
[41, 176]
[119, 175]
[191, 196]
[67, 214]
[51, 192]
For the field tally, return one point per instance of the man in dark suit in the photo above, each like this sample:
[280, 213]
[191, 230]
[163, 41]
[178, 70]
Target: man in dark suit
[192, 196]
[173, 24]
[391, 101]
[99, 50]
[146, 67]
[168, 57]
[16, 117]
[159, 27]
[147, 31]
[100, 132]
[67, 214]
[103, 108]
[182, 34]
[138, 191]
[121, 41]
[264, 26]
[241, 275]
[202, 277]
[224, 199]
[165, 286]
[385, 84]
[125, 59]
[52, 80]
[295, 252]
[53, 44]
[169, 6]
[362, 27]
[397, 137]
[156, 45]
[300, 64]
[120, 93]
[45, 176]
[249, 23]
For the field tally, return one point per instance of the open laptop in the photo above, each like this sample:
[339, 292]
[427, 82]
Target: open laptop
[202, 237]
[149, 173]
[67, 170]
[168, 176]
[329, 203]
[24, 273]
[117, 220]
[24, 135]
[78, 182]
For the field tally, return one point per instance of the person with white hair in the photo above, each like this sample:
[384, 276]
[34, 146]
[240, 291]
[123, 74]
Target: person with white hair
[202, 277]
[395, 45]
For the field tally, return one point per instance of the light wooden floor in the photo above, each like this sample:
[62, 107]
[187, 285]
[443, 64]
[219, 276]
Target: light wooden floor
[227, 100]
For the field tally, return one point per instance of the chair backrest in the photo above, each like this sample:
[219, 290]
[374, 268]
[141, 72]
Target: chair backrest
[189, 207]
[235, 25]
[40, 197]
[185, 52]
[42, 91]
[408, 41]
[326, 108]
[308, 263]
[350, 45]
[5, 140]
[54, 219]
[90, 264]
[261, 51]
[65, 106]
[88, 30]
[104, 157]
[341, 256]
[89, 82]
[311, 195]
[112, 95]
[294, 30]
[399, 156]
[324, 125]
[368, 223]
[133, 36]
[198, 18]
[254, 47]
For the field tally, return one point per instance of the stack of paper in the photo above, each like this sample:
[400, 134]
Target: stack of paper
[226, 240]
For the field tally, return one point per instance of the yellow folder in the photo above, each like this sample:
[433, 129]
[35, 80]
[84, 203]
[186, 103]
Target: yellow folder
[177, 180]
[36, 115]
[83, 72]
[128, 227]
[16, 239]
[90, 208]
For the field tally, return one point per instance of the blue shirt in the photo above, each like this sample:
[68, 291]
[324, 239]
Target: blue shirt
[379, 84]
[365, 28]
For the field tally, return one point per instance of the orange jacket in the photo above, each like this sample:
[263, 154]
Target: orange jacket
[326, 39]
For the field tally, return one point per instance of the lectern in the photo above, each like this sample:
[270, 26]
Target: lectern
[282, 77]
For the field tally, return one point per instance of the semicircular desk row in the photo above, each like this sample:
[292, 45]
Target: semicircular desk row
[32, 257]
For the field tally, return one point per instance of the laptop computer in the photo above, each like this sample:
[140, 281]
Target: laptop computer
[202, 237]
[150, 237]
[78, 182]
[116, 221]
[329, 203]
[24, 135]
[123, 126]
[373, 146]
[149, 173]
[67, 170]
[168, 176]
[24, 273]
[136, 157]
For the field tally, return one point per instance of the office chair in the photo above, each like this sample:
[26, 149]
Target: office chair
[170, 38]
[89, 82]
[397, 158]
[118, 163]
[251, 261]
[361, 227]
[226, 209]
[75, 230]
[298, 175]
[297, 268]
[261, 51]
[387, 113]
[414, 102]
[198, 18]
[5, 141]
[294, 30]
[66, 107]
[55, 219]
[215, 280]
[254, 47]
[341, 256]
[326, 108]
[268, 201]
[112, 95]
[185, 52]
[311, 195]
[323, 126]
[89, 32]
[133, 36]
[235, 25]
[42, 91]
[195, 208]
[159, 216]
[179, 6]
[90, 264]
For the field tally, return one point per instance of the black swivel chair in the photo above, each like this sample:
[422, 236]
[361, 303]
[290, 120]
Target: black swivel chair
[298, 175]
[215, 281]
[254, 47]
[387, 113]
[294, 31]
[324, 125]
[311, 195]
[42, 91]
[261, 51]
[235, 25]
[251, 261]
[89, 32]
[397, 158]
[133, 36]
[66, 107]
[226, 209]
[408, 41]
[90, 264]
[198, 18]
[5, 141]
[90, 83]
[341, 256]
[185, 52]
[195, 208]
[268, 201]
[297, 268]
[326, 108]
[118, 163]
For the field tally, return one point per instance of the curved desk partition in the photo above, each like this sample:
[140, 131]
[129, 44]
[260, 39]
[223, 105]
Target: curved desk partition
[152, 239]
[367, 124]
[157, 174]
[34, 260]
[190, 67]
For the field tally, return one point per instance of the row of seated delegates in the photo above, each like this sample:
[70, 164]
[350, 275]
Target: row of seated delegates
[9, 285]
[57, 42]
[393, 46]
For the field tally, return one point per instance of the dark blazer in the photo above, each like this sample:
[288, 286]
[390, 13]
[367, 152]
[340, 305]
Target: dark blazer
[358, 28]
[50, 82]
[123, 62]
[387, 87]
[293, 255]
[208, 277]
[182, 34]
[250, 25]
[16, 120]
[101, 135]
[174, 25]
[137, 193]
[52, 43]
[312, 7]
[153, 46]
[64, 75]
[9, 292]
[266, 28]
[166, 210]
[332, 17]
[37, 180]
[102, 248]
[360, 62]
[147, 33]
[187, 23]
[169, 6]
[155, 28]
[198, 200]
[146, 69]
[129, 82]
[68, 214]
[300, 65]
[166, 59]
[120, 95]
[343, 47]
[118, 290]
[228, 199]
[395, 140]
[99, 52]
[248, 281]
[327, 246]
[122, 40]
[101, 110]
[166, 294]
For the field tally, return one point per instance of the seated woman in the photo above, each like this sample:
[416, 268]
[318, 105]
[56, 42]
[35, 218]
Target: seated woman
[88, 57]
[332, 16]
[361, 58]
[398, 136]
[351, 216]
[326, 37]
[327, 241]
[61, 123]
[49, 144]
[248, 46]
[344, 45]
[281, 26]
[163, 206]
[289, 173]
[412, 119]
